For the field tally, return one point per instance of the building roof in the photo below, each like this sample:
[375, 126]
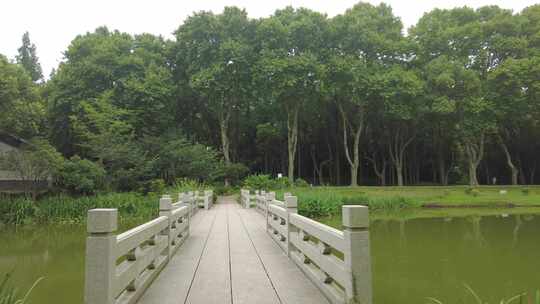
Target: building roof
[11, 140]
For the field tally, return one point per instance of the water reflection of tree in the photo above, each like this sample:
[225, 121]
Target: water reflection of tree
[515, 232]
[476, 233]
[402, 235]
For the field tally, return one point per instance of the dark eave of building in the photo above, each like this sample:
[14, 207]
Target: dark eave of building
[11, 139]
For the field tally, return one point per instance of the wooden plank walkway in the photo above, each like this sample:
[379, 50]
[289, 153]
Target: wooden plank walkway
[229, 258]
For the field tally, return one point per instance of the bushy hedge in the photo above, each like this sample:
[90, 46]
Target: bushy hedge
[266, 182]
[321, 204]
[81, 176]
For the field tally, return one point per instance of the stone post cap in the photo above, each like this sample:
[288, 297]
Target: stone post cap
[166, 196]
[291, 202]
[102, 221]
[165, 204]
[270, 196]
[287, 194]
[355, 216]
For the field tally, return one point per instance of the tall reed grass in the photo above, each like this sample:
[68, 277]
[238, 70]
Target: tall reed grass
[10, 295]
[66, 209]
[523, 298]
[328, 203]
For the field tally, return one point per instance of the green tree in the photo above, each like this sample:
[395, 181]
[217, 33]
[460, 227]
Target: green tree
[473, 42]
[21, 109]
[81, 176]
[217, 51]
[401, 94]
[289, 66]
[365, 40]
[28, 59]
[129, 73]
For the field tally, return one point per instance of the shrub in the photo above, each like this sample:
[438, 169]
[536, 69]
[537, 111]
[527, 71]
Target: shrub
[256, 182]
[232, 172]
[81, 176]
[300, 183]
[153, 186]
[281, 183]
[62, 208]
[472, 191]
[223, 190]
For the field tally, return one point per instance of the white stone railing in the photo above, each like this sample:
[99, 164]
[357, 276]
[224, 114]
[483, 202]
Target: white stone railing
[337, 262]
[206, 199]
[246, 198]
[119, 268]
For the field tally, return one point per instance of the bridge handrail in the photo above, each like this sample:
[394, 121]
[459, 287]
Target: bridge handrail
[338, 262]
[120, 267]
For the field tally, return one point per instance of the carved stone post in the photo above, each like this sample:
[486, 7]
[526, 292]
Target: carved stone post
[268, 199]
[357, 254]
[100, 256]
[291, 203]
[165, 209]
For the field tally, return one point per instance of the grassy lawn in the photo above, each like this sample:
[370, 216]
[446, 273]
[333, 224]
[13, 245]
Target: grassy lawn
[319, 202]
[438, 195]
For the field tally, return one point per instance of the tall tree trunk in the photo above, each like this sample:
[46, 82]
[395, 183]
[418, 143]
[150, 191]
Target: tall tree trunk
[513, 169]
[292, 139]
[442, 171]
[354, 162]
[531, 173]
[473, 177]
[397, 148]
[379, 172]
[224, 119]
[475, 153]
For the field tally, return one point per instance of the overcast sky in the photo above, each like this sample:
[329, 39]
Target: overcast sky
[54, 23]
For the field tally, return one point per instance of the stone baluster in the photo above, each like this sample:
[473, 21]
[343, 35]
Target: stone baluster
[268, 199]
[100, 256]
[291, 204]
[357, 254]
[165, 209]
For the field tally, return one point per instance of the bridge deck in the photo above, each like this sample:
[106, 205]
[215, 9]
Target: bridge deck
[229, 258]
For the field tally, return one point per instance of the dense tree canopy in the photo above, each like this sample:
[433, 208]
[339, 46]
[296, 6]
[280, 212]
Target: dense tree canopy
[350, 99]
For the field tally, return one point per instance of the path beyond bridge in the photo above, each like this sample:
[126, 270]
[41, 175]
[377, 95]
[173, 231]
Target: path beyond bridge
[260, 251]
[229, 258]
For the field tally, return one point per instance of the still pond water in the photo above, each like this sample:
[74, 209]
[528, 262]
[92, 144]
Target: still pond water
[414, 257]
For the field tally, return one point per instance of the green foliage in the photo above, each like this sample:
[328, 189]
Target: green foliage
[224, 190]
[22, 112]
[472, 191]
[317, 204]
[66, 209]
[258, 182]
[300, 183]
[281, 183]
[459, 85]
[234, 173]
[81, 176]
[156, 186]
[10, 295]
[28, 59]
[177, 158]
